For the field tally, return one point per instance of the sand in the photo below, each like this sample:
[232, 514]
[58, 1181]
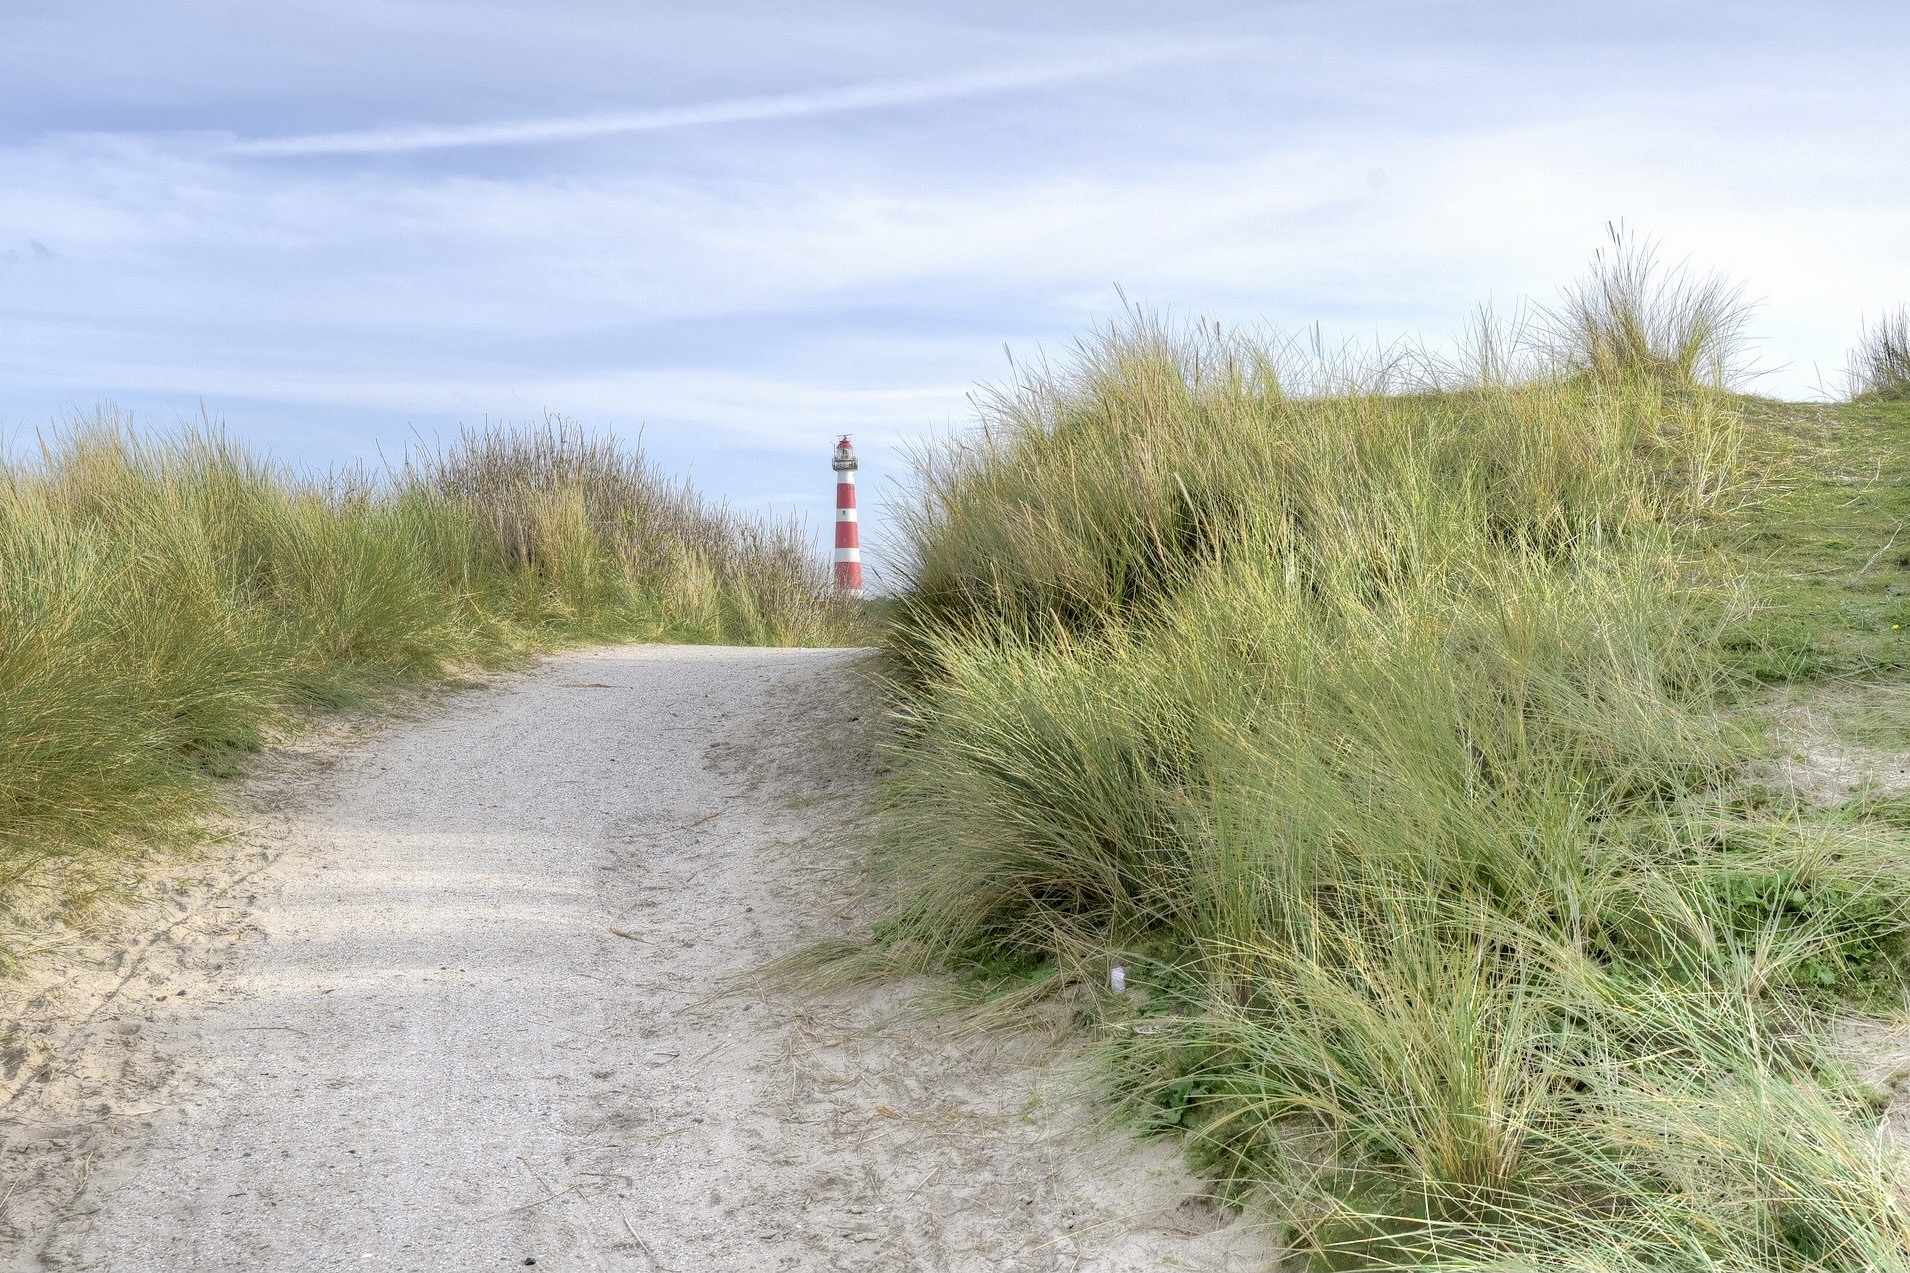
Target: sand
[461, 992]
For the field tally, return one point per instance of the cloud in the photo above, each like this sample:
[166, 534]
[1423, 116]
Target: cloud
[829, 101]
[456, 288]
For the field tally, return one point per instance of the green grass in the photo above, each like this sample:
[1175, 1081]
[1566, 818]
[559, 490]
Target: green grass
[166, 601]
[1402, 741]
[1825, 542]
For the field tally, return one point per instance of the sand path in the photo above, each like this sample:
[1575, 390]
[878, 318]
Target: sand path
[456, 1003]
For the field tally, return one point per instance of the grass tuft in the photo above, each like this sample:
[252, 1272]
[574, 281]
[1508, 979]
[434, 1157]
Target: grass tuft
[1632, 319]
[1880, 365]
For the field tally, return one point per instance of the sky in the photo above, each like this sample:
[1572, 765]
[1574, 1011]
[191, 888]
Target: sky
[734, 230]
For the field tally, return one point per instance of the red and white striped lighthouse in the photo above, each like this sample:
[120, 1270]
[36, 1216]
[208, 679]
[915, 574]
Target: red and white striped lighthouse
[848, 538]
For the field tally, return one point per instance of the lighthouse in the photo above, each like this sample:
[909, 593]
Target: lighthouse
[848, 538]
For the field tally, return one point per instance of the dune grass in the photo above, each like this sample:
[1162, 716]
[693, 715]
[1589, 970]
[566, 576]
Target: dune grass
[1395, 739]
[1824, 542]
[1880, 364]
[164, 601]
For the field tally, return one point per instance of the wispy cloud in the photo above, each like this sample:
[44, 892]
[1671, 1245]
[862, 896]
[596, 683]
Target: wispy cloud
[829, 101]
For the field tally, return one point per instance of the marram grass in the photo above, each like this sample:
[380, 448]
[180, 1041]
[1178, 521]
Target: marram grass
[1383, 733]
[1880, 364]
[165, 600]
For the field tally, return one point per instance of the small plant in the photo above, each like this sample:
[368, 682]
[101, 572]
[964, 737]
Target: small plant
[1880, 365]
